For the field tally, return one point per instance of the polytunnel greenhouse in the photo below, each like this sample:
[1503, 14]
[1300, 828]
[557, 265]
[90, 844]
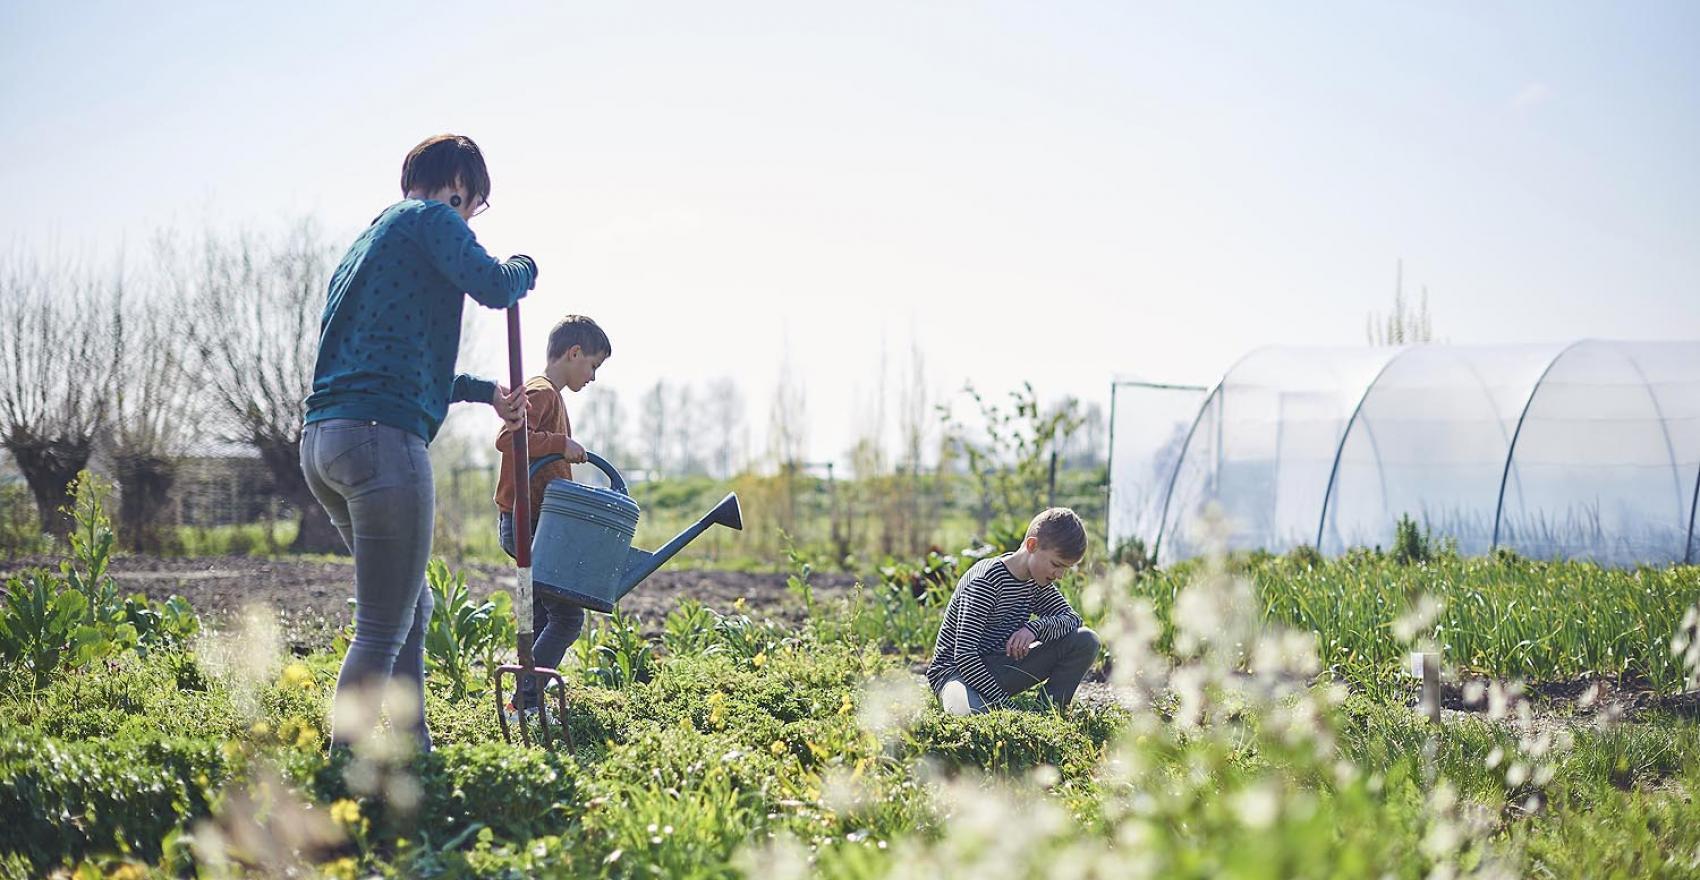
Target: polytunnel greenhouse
[1587, 450]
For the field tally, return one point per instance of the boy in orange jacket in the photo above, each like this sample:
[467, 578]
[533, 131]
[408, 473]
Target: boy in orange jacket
[577, 348]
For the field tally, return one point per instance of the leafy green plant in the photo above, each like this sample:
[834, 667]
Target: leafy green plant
[161, 625]
[688, 629]
[614, 652]
[797, 582]
[461, 632]
[77, 618]
[37, 623]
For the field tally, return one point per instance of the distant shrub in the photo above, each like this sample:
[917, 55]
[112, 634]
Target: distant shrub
[1410, 542]
[1305, 556]
[20, 528]
[1133, 553]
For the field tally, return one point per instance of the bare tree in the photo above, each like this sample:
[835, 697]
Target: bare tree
[868, 454]
[725, 419]
[913, 509]
[869, 493]
[152, 408]
[787, 431]
[683, 432]
[51, 373]
[913, 410]
[601, 424]
[786, 438]
[255, 330]
[652, 427]
[1092, 438]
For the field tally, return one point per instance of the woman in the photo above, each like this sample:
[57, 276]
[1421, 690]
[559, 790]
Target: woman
[382, 384]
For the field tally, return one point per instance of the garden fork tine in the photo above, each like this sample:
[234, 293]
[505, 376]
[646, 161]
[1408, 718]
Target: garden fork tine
[541, 677]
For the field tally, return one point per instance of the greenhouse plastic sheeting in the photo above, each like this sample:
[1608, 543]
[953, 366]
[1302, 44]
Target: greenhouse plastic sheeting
[1589, 450]
[1145, 445]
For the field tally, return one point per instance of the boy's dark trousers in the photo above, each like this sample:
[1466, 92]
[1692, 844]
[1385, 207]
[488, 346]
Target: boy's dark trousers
[560, 621]
[1060, 664]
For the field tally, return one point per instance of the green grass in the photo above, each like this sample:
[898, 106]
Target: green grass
[248, 539]
[1504, 617]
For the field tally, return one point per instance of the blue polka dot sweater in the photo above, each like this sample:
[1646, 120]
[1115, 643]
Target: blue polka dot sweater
[391, 328]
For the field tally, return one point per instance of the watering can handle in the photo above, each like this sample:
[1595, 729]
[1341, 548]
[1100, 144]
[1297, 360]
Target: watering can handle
[615, 481]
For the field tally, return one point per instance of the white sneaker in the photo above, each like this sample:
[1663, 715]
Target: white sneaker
[531, 714]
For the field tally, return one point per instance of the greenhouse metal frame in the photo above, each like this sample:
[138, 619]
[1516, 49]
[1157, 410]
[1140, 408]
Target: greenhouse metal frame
[1584, 450]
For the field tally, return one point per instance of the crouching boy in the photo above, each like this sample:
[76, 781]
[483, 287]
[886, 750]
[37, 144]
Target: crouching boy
[1008, 627]
[577, 348]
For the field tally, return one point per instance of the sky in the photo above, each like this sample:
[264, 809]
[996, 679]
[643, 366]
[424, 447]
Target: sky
[1052, 193]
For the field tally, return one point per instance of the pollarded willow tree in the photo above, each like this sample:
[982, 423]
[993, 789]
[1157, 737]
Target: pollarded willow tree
[55, 364]
[153, 406]
[255, 305]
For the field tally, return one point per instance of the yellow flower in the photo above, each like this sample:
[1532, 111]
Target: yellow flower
[778, 747]
[739, 604]
[260, 729]
[346, 813]
[759, 659]
[845, 707]
[298, 675]
[344, 868]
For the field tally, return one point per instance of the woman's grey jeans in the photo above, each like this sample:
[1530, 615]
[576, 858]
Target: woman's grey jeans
[562, 621]
[1059, 664]
[375, 482]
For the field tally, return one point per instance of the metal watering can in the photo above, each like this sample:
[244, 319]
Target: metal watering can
[583, 551]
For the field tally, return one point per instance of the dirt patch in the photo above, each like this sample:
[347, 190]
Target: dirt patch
[1583, 697]
[311, 598]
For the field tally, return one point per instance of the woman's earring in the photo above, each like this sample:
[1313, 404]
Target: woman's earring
[454, 201]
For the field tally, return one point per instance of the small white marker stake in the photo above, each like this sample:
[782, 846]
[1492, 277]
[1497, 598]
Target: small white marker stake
[1426, 666]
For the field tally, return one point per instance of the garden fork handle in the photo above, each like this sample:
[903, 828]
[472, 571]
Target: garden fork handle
[522, 496]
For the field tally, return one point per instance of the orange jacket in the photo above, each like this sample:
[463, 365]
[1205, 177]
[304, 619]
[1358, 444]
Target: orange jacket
[548, 434]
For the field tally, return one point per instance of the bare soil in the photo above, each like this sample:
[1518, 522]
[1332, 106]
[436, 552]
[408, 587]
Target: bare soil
[311, 598]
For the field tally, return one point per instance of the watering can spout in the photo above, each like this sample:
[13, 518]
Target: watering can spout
[642, 563]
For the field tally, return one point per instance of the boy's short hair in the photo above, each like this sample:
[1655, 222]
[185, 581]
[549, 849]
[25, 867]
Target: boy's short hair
[441, 160]
[582, 332]
[1059, 529]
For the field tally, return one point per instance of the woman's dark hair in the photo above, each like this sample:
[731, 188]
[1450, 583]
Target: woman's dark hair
[441, 160]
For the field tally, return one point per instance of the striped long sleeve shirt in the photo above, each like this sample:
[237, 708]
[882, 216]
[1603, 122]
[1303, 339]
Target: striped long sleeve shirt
[988, 606]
